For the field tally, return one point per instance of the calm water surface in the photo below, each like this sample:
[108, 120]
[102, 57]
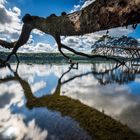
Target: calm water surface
[108, 87]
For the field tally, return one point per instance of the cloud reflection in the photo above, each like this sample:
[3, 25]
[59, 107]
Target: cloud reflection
[13, 127]
[18, 122]
[114, 99]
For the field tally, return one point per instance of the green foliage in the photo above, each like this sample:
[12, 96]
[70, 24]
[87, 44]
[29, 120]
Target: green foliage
[45, 58]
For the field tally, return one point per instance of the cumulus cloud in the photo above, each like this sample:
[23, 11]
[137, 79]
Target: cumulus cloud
[42, 47]
[37, 48]
[2, 1]
[10, 30]
[71, 41]
[10, 23]
[4, 17]
[84, 43]
[17, 11]
[37, 32]
[13, 127]
[87, 40]
[80, 43]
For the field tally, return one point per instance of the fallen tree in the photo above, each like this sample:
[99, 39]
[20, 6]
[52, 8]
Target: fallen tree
[100, 15]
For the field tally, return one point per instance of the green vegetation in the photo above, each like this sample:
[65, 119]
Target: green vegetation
[48, 58]
[42, 57]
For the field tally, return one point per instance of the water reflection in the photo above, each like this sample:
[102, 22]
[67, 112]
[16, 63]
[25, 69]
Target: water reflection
[99, 126]
[20, 123]
[114, 88]
[116, 73]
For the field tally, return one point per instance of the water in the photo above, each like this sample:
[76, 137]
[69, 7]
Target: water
[31, 99]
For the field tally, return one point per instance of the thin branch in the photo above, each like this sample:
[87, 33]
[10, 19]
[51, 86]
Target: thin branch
[6, 44]
[90, 56]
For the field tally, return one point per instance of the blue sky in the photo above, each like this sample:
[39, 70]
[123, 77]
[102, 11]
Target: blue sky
[14, 10]
[44, 7]
[136, 33]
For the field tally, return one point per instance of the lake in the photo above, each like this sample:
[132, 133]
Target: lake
[59, 102]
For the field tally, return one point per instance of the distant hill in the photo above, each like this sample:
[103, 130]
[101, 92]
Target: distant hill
[44, 57]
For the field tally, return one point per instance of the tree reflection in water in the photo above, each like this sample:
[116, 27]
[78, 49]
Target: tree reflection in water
[97, 124]
[116, 73]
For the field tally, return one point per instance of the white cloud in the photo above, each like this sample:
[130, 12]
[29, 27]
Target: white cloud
[4, 16]
[75, 8]
[10, 23]
[2, 1]
[81, 6]
[84, 43]
[86, 3]
[42, 47]
[36, 48]
[80, 43]
[17, 11]
[10, 30]
[13, 127]
[38, 32]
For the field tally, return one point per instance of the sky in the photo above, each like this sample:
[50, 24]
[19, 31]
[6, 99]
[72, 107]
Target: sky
[12, 11]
